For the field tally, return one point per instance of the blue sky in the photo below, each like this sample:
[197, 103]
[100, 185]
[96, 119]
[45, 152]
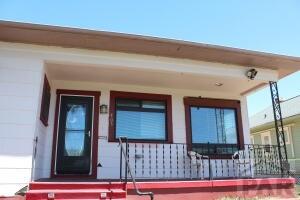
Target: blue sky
[263, 25]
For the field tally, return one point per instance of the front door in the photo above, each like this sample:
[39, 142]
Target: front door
[74, 136]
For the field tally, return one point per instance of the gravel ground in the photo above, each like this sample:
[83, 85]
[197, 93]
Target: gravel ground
[13, 198]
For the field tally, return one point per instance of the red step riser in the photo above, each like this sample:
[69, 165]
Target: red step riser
[64, 186]
[90, 195]
[76, 190]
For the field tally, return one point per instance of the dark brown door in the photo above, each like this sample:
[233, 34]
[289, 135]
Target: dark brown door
[73, 151]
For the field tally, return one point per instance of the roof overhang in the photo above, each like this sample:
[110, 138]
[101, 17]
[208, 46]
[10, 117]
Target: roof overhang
[127, 43]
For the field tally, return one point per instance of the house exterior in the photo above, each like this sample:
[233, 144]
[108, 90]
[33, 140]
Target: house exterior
[263, 132]
[68, 95]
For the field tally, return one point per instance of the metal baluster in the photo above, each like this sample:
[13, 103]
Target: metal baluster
[183, 154]
[233, 162]
[202, 164]
[275, 161]
[191, 168]
[121, 164]
[244, 159]
[227, 162]
[268, 161]
[197, 169]
[150, 160]
[216, 162]
[222, 170]
[265, 165]
[254, 159]
[216, 166]
[278, 160]
[126, 164]
[249, 159]
[135, 153]
[171, 160]
[156, 164]
[260, 159]
[163, 160]
[272, 167]
[177, 172]
[143, 161]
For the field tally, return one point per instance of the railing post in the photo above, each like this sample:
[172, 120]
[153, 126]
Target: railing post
[126, 165]
[209, 163]
[283, 159]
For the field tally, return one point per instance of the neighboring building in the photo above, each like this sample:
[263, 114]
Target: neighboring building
[68, 94]
[263, 131]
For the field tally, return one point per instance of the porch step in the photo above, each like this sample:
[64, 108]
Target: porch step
[75, 190]
[76, 185]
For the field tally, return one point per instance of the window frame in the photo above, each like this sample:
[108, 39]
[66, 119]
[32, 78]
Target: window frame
[45, 101]
[213, 103]
[114, 95]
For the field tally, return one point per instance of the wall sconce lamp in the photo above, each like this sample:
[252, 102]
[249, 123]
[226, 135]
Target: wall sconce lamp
[103, 109]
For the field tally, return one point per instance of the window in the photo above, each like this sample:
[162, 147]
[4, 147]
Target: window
[213, 126]
[266, 140]
[286, 134]
[45, 104]
[140, 117]
[252, 139]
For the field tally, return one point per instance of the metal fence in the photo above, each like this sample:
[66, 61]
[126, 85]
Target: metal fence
[205, 161]
[296, 176]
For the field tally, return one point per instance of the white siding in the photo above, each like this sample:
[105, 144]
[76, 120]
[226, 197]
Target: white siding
[20, 80]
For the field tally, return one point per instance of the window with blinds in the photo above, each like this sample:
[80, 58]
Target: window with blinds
[140, 119]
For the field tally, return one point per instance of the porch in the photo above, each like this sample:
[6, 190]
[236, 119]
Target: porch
[167, 154]
[159, 148]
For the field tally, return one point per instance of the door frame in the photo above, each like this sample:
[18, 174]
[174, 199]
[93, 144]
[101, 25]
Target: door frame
[95, 128]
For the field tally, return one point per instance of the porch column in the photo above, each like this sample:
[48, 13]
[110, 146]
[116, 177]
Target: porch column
[284, 166]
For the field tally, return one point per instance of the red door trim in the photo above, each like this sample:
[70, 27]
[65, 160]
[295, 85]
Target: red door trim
[96, 96]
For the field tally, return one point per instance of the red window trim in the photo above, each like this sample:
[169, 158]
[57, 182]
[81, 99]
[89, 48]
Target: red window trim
[214, 103]
[96, 96]
[45, 102]
[140, 96]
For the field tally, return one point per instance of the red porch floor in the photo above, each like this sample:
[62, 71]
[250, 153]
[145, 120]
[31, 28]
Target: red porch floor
[202, 189]
[216, 189]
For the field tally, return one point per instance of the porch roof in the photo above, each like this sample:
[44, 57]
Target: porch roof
[137, 44]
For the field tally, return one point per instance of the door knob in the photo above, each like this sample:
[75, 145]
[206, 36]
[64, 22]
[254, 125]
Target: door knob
[89, 133]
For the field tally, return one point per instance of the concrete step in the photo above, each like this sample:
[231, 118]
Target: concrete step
[75, 194]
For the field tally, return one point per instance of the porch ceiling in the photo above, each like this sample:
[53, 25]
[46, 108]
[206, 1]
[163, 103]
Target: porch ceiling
[150, 78]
